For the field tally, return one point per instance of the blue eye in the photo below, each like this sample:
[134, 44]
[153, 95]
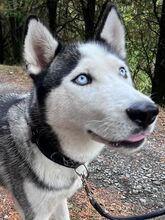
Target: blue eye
[123, 72]
[83, 79]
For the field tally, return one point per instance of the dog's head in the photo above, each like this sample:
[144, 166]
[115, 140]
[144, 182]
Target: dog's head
[87, 87]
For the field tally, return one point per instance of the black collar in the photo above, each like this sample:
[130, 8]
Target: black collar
[48, 144]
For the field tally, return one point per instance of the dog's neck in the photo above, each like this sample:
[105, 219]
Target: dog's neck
[68, 148]
[77, 145]
[69, 145]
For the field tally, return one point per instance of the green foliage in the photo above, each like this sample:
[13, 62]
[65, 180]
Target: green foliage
[142, 35]
[143, 83]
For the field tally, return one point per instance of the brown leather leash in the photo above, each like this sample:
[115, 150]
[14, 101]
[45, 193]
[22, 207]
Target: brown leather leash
[103, 212]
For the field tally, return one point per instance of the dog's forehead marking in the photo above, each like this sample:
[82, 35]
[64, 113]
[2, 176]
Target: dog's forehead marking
[92, 49]
[100, 55]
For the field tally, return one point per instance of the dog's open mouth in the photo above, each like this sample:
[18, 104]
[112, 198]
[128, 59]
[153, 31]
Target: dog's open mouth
[133, 141]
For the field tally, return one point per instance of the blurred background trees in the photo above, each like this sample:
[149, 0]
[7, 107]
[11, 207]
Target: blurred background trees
[72, 20]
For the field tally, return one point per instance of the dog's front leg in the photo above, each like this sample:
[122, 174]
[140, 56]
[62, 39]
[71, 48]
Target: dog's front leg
[61, 211]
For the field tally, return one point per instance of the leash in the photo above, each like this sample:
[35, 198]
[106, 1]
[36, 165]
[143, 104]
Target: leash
[103, 212]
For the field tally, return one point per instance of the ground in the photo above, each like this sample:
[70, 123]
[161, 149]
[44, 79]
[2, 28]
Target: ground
[124, 184]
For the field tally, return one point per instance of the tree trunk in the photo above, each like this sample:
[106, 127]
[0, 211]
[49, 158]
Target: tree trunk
[158, 83]
[88, 9]
[1, 43]
[16, 38]
[52, 15]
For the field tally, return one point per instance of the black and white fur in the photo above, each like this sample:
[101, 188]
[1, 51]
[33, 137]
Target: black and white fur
[78, 119]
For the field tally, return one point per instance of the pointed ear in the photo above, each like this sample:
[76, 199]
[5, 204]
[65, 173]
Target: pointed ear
[112, 31]
[39, 46]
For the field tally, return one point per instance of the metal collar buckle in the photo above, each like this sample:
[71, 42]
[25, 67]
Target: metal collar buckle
[83, 174]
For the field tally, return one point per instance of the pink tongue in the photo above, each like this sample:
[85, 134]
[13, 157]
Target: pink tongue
[137, 137]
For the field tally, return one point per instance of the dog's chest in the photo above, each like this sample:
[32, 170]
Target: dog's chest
[43, 199]
[60, 183]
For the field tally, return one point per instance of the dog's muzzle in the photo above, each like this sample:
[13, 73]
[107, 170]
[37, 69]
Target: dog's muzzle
[142, 114]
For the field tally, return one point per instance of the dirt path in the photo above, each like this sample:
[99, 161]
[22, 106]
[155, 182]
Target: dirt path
[124, 184]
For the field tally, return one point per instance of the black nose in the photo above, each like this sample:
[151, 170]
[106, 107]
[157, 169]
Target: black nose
[142, 113]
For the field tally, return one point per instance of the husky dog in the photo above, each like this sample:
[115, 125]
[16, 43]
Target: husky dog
[83, 98]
